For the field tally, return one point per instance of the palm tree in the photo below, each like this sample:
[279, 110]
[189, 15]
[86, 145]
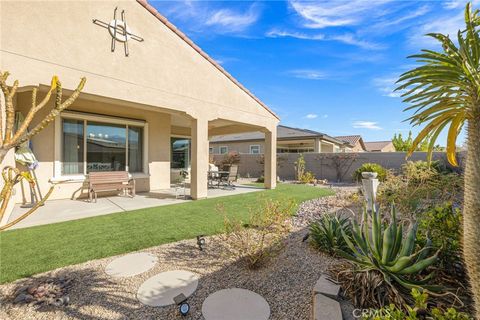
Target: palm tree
[444, 91]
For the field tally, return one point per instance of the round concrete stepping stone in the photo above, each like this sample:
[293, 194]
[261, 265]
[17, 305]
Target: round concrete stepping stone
[159, 290]
[131, 265]
[235, 304]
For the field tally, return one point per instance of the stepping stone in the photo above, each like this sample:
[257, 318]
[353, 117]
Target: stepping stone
[159, 290]
[325, 308]
[235, 304]
[131, 265]
[326, 287]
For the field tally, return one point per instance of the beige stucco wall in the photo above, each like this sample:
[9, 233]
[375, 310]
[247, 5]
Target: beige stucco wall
[240, 147]
[244, 146]
[162, 77]
[157, 140]
[47, 37]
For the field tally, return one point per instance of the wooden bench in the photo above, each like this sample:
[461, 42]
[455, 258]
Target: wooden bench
[109, 181]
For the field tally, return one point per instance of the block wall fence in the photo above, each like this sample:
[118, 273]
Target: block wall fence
[335, 167]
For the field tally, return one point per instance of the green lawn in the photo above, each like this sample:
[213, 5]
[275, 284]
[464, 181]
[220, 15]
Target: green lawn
[28, 251]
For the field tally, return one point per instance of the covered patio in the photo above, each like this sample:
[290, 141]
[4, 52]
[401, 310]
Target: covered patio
[65, 209]
[132, 106]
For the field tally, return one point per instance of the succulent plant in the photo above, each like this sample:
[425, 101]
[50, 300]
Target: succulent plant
[326, 233]
[381, 246]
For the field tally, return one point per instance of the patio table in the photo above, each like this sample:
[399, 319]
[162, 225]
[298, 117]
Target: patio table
[215, 176]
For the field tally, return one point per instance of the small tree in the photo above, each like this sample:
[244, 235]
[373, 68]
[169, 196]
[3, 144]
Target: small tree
[10, 139]
[444, 92]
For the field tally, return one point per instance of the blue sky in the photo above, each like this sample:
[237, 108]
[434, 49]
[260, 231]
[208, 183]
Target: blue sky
[324, 65]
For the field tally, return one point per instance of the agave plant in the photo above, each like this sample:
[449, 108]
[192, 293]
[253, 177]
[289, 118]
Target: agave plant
[326, 233]
[382, 247]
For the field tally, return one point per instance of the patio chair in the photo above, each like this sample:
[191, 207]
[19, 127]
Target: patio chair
[228, 180]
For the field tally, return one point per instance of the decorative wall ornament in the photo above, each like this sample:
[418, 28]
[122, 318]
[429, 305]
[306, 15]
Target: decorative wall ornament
[119, 30]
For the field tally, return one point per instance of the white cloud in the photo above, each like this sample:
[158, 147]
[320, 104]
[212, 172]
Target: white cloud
[234, 21]
[202, 16]
[308, 74]
[275, 33]
[371, 125]
[386, 85]
[347, 38]
[322, 14]
[351, 39]
[311, 116]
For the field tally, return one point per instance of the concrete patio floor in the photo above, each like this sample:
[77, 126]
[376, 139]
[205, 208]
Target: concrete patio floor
[64, 210]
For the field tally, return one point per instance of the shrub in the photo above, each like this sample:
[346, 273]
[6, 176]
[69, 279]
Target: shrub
[419, 188]
[262, 236]
[443, 224]
[419, 311]
[370, 167]
[307, 177]
[326, 233]
[299, 167]
[384, 261]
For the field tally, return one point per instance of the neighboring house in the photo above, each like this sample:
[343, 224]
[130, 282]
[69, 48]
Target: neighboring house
[380, 146]
[148, 108]
[355, 141]
[289, 140]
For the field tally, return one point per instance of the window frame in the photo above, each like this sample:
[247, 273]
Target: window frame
[254, 145]
[220, 150]
[85, 117]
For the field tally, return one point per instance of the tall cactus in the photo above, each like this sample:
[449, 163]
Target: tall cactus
[10, 139]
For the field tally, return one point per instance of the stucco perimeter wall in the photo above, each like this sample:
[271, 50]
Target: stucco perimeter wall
[322, 165]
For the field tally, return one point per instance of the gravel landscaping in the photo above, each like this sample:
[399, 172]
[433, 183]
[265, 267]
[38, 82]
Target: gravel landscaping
[286, 282]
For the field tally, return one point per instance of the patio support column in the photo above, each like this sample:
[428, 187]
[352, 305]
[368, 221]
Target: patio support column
[270, 159]
[198, 185]
[317, 145]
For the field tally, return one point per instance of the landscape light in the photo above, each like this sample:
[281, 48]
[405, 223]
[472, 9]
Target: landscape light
[181, 301]
[201, 242]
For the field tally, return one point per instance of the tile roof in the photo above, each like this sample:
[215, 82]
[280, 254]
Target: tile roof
[350, 139]
[376, 145]
[179, 33]
[283, 132]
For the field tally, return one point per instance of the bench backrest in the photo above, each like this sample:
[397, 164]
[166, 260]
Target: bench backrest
[108, 177]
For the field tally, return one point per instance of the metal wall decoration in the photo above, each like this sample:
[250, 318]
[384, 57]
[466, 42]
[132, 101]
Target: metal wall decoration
[119, 31]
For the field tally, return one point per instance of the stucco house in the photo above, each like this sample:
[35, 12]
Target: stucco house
[380, 146]
[355, 141]
[152, 98]
[289, 140]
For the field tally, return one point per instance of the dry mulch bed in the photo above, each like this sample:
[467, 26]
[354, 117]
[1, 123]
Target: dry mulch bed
[285, 282]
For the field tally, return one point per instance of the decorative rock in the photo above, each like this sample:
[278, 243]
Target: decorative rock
[159, 290]
[326, 287]
[325, 308]
[235, 304]
[131, 265]
[20, 298]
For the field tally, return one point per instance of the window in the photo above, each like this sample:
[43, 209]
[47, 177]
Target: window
[89, 146]
[255, 149]
[210, 150]
[223, 150]
[180, 153]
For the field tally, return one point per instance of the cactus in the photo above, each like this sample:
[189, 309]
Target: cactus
[10, 139]
[379, 246]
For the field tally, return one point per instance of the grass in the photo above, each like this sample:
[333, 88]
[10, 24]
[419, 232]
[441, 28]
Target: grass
[24, 252]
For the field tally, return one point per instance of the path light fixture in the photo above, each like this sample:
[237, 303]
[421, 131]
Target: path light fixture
[201, 242]
[183, 306]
